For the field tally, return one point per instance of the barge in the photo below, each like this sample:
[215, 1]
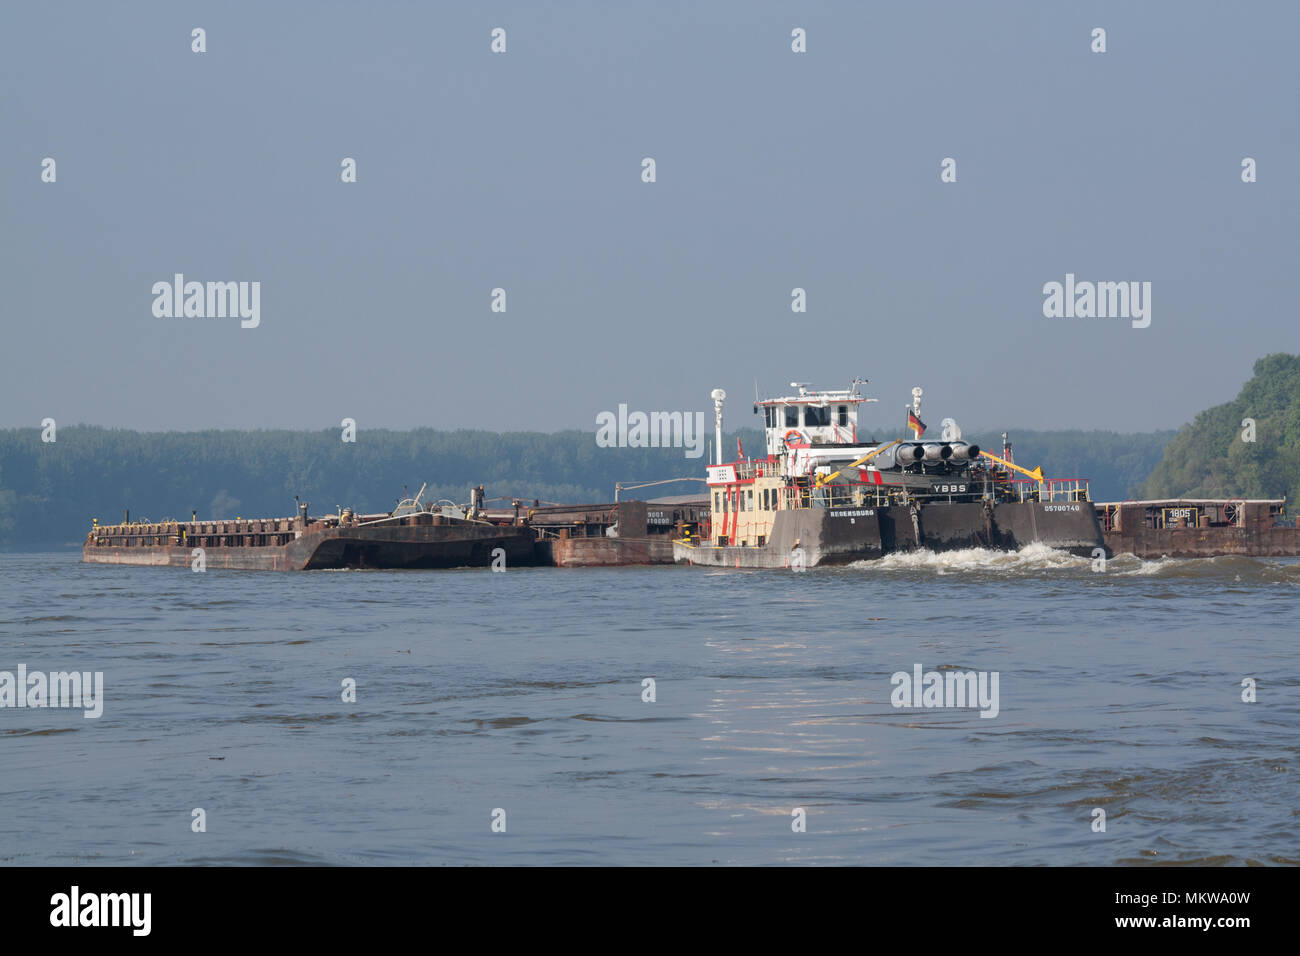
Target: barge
[1200, 528]
[410, 536]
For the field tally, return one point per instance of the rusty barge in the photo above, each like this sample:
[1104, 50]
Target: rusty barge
[413, 535]
[1200, 528]
[418, 539]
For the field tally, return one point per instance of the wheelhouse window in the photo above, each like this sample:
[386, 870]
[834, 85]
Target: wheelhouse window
[792, 416]
[844, 416]
[815, 417]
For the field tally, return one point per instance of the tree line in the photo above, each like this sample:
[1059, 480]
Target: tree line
[49, 492]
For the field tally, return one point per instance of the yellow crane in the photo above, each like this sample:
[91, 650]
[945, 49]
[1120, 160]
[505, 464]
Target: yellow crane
[1036, 474]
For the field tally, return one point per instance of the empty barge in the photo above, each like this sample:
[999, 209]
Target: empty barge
[411, 536]
[1200, 528]
[405, 538]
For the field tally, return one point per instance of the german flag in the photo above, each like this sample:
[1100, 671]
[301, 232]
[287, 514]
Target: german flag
[915, 423]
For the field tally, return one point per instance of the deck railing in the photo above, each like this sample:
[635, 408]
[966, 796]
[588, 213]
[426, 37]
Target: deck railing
[858, 494]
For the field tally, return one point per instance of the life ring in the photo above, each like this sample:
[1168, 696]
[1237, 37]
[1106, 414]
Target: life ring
[795, 439]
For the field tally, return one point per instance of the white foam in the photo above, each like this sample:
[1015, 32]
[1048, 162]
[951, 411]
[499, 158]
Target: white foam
[1032, 557]
[1131, 564]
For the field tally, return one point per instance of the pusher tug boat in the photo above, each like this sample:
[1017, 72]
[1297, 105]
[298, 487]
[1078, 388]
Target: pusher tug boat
[824, 495]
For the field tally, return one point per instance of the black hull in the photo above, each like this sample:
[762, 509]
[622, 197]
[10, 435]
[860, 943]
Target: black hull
[456, 544]
[468, 547]
[817, 536]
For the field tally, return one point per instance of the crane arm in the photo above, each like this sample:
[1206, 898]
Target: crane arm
[619, 486]
[861, 461]
[1036, 474]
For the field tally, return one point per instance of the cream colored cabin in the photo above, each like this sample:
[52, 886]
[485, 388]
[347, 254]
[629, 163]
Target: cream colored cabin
[744, 508]
[746, 496]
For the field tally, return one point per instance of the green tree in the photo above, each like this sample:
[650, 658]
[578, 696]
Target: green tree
[1211, 457]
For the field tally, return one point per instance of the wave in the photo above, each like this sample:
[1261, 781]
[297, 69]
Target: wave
[1036, 558]
[1229, 569]
[1032, 557]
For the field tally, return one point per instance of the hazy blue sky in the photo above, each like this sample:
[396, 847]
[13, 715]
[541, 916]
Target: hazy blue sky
[523, 171]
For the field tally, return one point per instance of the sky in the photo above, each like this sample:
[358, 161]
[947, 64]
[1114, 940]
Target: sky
[523, 171]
